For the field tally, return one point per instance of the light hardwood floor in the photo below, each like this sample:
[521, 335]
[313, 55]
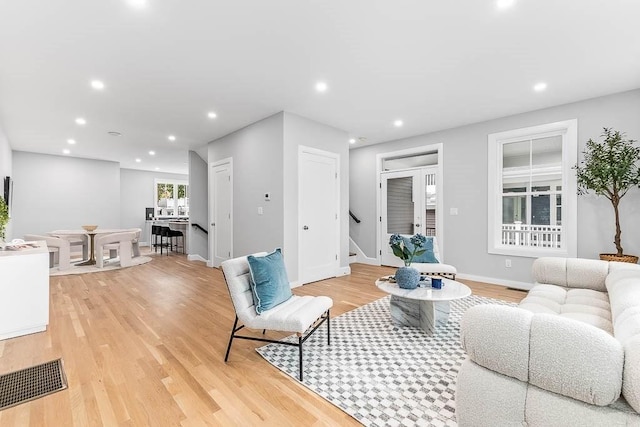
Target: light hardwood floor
[145, 346]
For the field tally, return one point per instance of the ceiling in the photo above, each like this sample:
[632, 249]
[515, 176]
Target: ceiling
[434, 65]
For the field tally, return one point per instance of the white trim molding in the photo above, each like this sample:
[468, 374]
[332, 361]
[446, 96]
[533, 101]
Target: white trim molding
[568, 130]
[415, 151]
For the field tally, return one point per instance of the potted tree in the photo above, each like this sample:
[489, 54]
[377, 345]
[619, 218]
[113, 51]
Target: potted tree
[610, 168]
[4, 218]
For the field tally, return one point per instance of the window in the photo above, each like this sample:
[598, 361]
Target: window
[531, 189]
[171, 198]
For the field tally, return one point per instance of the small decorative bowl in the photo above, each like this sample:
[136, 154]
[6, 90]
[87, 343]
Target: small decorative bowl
[89, 228]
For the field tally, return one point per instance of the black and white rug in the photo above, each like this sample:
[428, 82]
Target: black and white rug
[379, 373]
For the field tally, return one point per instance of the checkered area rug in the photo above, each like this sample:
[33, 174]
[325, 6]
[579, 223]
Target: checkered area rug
[379, 373]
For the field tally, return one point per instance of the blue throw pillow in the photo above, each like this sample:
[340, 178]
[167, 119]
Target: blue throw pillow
[428, 256]
[269, 282]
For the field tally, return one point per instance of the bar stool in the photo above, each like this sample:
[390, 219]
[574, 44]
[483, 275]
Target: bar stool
[173, 237]
[160, 233]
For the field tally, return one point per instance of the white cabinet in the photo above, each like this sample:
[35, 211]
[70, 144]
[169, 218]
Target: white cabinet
[24, 291]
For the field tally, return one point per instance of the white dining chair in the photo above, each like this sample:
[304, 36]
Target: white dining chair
[122, 242]
[61, 249]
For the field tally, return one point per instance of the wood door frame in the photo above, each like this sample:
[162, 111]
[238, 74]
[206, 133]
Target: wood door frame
[380, 157]
[211, 205]
[335, 156]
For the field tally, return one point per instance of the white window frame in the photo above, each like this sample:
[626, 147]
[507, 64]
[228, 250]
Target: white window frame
[568, 129]
[175, 184]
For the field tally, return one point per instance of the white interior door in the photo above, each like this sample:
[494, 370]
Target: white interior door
[318, 206]
[408, 207]
[221, 212]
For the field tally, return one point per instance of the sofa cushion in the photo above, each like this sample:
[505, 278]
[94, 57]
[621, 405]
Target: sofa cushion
[585, 305]
[575, 360]
[571, 272]
[631, 382]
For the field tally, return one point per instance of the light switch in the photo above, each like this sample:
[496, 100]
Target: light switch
[260, 211]
[453, 211]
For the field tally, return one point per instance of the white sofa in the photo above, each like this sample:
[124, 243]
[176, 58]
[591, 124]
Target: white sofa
[568, 355]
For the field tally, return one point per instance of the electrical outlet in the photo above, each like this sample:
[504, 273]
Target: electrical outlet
[507, 263]
[453, 211]
[260, 210]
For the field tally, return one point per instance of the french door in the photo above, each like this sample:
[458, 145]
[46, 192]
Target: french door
[409, 200]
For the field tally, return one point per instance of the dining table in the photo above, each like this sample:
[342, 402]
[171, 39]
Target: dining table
[67, 234]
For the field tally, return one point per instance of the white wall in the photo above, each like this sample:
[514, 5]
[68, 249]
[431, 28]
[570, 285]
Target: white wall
[136, 193]
[198, 205]
[257, 169]
[302, 131]
[57, 192]
[265, 160]
[5, 170]
[465, 187]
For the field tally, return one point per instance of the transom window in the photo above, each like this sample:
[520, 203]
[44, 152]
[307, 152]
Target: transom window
[532, 191]
[171, 198]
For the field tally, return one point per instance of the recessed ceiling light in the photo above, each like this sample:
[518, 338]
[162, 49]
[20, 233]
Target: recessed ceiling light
[212, 115]
[97, 84]
[504, 4]
[539, 87]
[71, 141]
[138, 4]
[321, 87]
[152, 153]
[80, 121]
[157, 168]
[171, 138]
[352, 141]
[138, 160]
[398, 123]
[66, 151]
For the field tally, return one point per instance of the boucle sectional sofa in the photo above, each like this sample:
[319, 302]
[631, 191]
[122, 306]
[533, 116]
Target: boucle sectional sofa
[569, 354]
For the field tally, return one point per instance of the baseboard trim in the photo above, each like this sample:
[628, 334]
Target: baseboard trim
[523, 286]
[197, 257]
[343, 271]
[360, 255]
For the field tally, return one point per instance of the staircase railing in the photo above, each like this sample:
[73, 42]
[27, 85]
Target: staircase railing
[198, 226]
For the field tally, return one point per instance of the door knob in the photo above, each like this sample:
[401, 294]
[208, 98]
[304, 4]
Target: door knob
[417, 225]
[305, 228]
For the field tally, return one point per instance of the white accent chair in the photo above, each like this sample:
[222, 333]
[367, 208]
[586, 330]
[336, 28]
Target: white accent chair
[122, 242]
[432, 269]
[60, 248]
[301, 315]
[135, 244]
[76, 240]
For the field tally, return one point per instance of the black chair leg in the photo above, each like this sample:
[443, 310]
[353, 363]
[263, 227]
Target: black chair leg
[300, 355]
[328, 328]
[233, 331]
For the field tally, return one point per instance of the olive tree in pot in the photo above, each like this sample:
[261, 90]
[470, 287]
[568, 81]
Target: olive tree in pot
[610, 168]
[4, 218]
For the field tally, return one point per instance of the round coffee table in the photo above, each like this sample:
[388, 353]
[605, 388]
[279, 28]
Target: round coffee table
[423, 307]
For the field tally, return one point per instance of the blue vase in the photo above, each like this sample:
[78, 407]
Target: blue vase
[407, 277]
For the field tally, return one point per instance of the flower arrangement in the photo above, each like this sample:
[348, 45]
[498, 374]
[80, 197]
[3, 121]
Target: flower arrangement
[401, 250]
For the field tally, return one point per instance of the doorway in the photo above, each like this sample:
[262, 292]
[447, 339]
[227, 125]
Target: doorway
[410, 197]
[221, 211]
[408, 206]
[319, 202]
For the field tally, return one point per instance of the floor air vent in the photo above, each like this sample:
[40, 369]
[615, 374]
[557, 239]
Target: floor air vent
[31, 383]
